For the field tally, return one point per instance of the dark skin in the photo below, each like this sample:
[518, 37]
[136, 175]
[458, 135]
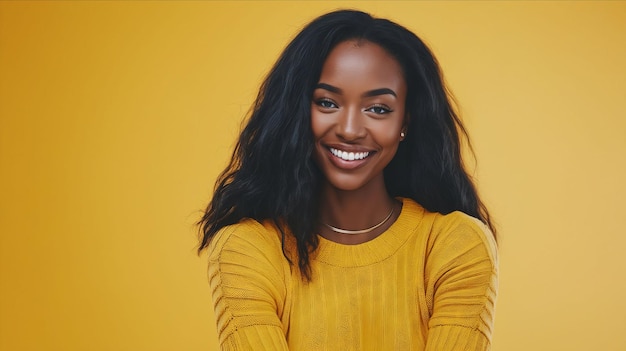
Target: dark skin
[351, 206]
[357, 118]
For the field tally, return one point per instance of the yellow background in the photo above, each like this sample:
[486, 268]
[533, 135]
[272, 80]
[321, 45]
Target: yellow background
[116, 117]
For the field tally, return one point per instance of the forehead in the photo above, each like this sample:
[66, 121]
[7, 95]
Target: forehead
[362, 64]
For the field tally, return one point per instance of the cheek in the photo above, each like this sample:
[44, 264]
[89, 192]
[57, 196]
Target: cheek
[318, 125]
[388, 136]
[392, 135]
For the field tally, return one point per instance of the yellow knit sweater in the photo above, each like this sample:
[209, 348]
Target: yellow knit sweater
[427, 283]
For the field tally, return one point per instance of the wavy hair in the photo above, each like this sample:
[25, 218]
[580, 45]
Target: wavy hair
[272, 175]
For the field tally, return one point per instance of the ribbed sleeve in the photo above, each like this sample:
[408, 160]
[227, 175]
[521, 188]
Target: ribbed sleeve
[456, 338]
[256, 337]
[248, 288]
[462, 281]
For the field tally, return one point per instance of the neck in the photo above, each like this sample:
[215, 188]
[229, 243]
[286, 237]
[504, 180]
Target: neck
[356, 210]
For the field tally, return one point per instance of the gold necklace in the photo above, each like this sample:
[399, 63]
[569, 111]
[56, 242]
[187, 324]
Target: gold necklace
[362, 231]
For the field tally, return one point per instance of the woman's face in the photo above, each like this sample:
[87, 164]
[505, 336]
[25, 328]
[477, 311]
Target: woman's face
[357, 114]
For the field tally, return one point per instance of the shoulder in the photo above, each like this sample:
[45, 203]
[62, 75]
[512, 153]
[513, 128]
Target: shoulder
[447, 233]
[457, 233]
[248, 237]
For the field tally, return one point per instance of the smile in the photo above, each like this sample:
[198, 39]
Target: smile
[349, 156]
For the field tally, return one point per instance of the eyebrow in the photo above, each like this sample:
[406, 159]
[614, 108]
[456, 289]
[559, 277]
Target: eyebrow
[371, 93]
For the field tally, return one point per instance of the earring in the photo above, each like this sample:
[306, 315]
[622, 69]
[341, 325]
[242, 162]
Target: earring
[402, 135]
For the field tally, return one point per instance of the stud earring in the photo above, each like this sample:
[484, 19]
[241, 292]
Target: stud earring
[402, 135]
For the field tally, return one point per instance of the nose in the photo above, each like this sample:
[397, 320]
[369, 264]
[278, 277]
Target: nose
[350, 125]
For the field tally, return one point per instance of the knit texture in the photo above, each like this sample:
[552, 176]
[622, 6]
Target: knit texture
[427, 283]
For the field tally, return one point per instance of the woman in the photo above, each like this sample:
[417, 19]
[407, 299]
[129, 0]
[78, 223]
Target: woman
[345, 220]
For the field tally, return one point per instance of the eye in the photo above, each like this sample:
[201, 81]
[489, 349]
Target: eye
[379, 109]
[326, 103]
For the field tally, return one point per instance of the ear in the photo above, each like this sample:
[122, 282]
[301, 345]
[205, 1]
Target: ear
[404, 127]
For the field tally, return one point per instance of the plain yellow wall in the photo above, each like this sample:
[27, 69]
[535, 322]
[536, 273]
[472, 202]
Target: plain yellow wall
[116, 117]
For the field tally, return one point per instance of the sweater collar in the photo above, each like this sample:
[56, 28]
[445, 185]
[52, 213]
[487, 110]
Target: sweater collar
[377, 249]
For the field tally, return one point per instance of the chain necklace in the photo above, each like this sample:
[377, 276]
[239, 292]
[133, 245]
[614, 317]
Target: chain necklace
[362, 231]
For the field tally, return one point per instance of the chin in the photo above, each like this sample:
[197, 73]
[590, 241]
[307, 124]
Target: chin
[348, 182]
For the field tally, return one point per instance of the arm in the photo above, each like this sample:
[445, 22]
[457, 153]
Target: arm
[247, 279]
[463, 283]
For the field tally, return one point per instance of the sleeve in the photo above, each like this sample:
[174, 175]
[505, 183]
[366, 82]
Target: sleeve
[463, 281]
[247, 280]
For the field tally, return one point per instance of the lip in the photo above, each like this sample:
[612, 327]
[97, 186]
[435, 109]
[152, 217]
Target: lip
[347, 147]
[347, 164]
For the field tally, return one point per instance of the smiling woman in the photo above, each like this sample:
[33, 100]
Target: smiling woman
[357, 110]
[346, 219]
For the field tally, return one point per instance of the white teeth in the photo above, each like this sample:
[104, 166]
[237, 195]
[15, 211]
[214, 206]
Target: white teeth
[349, 156]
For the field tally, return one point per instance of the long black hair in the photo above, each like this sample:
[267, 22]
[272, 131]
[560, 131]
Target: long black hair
[272, 175]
